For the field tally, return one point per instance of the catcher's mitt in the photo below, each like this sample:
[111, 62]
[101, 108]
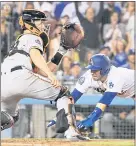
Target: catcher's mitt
[71, 36]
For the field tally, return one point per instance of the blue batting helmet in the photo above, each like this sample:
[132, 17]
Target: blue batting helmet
[100, 62]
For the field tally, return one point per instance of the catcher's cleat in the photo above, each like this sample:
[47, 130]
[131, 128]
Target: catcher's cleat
[81, 137]
[78, 138]
[73, 135]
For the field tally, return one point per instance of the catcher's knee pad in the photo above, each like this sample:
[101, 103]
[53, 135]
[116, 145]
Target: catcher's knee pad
[63, 92]
[6, 120]
[62, 121]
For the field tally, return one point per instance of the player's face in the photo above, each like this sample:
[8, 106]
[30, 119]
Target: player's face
[40, 25]
[96, 75]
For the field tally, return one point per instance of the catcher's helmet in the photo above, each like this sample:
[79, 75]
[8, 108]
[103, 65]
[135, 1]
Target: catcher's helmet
[27, 19]
[100, 62]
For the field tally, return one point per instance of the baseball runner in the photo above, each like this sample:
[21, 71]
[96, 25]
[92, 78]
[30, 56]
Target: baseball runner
[25, 72]
[106, 79]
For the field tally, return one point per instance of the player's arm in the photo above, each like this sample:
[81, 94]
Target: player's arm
[100, 107]
[45, 68]
[81, 87]
[39, 61]
[41, 64]
[71, 36]
[36, 50]
[56, 59]
[76, 94]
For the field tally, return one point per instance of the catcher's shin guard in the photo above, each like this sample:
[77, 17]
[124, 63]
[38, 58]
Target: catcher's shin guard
[66, 113]
[6, 120]
[61, 122]
[64, 120]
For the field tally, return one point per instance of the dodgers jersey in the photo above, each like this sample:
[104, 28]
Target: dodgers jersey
[119, 80]
[25, 42]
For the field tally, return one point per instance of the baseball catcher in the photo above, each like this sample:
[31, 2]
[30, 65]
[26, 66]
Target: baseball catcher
[18, 79]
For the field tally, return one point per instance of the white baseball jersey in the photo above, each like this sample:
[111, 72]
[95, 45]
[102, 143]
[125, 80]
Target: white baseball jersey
[18, 80]
[22, 83]
[120, 80]
[25, 42]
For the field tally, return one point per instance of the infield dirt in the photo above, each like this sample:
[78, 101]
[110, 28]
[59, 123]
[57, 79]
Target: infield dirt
[58, 142]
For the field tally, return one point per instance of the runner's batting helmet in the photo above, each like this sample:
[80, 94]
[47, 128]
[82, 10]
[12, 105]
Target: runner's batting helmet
[100, 62]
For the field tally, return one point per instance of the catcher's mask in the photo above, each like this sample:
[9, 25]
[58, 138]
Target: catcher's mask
[27, 21]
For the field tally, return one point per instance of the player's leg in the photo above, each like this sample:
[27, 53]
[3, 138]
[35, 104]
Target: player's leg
[9, 101]
[64, 111]
[66, 119]
[22, 83]
[31, 85]
[9, 114]
[6, 120]
[63, 115]
[66, 116]
[41, 88]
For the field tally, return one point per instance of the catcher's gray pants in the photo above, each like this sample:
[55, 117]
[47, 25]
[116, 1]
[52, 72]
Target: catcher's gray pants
[23, 83]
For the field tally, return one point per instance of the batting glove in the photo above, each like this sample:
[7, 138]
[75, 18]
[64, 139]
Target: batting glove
[89, 121]
[84, 124]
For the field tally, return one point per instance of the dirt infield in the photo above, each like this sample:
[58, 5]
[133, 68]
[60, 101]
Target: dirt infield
[58, 142]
